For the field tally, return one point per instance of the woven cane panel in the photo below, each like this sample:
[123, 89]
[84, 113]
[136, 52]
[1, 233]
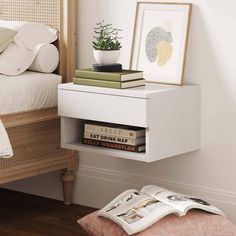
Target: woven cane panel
[44, 11]
[34, 143]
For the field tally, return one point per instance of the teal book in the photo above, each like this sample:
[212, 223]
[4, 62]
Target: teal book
[124, 75]
[109, 84]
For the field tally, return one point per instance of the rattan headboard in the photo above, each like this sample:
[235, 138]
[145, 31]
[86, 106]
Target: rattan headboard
[60, 14]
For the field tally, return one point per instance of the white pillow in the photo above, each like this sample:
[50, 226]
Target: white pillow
[6, 38]
[47, 59]
[14, 25]
[21, 53]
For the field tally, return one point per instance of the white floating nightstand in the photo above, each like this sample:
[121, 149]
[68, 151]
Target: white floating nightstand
[170, 115]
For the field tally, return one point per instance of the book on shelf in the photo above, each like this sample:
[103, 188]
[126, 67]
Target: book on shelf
[124, 75]
[109, 84]
[114, 139]
[137, 210]
[118, 146]
[114, 129]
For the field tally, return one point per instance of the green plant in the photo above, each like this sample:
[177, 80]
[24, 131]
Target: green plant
[106, 37]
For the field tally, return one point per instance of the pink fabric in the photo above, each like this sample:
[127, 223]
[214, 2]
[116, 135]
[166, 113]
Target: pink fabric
[195, 223]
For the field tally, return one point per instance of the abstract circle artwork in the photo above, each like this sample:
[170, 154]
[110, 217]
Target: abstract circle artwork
[158, 44]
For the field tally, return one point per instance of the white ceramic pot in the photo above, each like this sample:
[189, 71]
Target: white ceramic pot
[106, 56]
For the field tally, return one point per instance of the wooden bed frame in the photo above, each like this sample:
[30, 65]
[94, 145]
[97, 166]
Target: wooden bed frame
[35, 135]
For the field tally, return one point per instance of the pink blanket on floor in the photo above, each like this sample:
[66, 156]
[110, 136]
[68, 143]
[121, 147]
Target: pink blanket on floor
[195, 223]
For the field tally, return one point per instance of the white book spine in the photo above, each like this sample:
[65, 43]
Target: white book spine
[114, 139]
[114, 131]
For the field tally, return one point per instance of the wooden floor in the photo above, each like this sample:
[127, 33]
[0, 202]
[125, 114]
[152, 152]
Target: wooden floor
[26, 215]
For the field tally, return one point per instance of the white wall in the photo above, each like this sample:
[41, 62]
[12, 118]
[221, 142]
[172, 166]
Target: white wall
[210, 63]
[210, 172]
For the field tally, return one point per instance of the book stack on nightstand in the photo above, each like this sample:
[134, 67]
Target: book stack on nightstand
[114, 136]
[118, 79]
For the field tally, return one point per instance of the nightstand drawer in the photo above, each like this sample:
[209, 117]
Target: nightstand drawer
[102, 107]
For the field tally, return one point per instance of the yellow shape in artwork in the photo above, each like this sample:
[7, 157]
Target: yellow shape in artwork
[164, 50]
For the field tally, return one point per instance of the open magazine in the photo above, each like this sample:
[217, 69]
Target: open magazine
[137, 210]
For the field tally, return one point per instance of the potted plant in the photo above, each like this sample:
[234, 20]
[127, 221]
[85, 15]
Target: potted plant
[106, 44]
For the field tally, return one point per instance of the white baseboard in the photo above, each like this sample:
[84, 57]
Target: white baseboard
[96, 187]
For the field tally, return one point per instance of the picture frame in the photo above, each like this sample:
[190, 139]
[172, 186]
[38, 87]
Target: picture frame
[160, 41]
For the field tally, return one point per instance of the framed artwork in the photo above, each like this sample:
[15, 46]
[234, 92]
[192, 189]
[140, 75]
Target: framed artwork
[160, 41]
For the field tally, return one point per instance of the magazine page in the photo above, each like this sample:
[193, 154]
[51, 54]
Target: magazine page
[181, 202]
[153, 190]
[135, 211]
[184, 202]
[122, 201]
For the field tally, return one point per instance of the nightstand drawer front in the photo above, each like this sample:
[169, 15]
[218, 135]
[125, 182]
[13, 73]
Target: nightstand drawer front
[102, 107]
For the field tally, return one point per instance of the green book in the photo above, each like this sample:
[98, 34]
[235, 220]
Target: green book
[125, 75]
[109, 84]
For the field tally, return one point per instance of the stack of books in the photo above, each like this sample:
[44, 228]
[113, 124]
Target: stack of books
[119, 80]
[113, 136]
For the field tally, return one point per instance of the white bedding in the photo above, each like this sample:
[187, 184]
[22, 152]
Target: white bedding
[5, 146]
[20, 54]
[29, 91]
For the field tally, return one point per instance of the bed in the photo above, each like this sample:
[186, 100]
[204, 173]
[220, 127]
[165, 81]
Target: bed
[28, 110]
[28, 91]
